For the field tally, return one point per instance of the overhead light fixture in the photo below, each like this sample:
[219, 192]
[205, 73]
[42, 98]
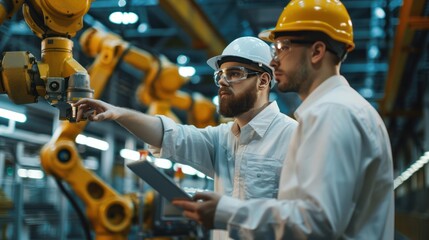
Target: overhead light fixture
[123, 18]
[163, 163]
[377, 32]
[129, 154]
[11, 115]
[188, 170]
[215, 100]
[373, 52]
[380, 13]
[122, 3]
[91, 163]
[133, 155]
[30, 173]
[92, 142]
[182, 59]
[143, 27]
[186, 71]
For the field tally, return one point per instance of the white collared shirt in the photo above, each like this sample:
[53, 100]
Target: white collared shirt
[337, 180]
[244, 163]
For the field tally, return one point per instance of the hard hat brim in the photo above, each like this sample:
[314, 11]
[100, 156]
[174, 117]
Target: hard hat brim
[212, 62]
[267, 35]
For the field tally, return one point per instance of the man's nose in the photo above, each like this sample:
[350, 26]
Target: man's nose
[222, 81]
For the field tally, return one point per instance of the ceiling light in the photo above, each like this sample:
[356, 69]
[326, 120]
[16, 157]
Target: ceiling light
[187, 71]
[11, 115]
[91, 163]
[182, 59]
[129, 154]
[123, 18]
[188, 170]
[373, 52]
[377, 32]
[122, 3]
[30, 173]
[163, 163]
[215, 100]
[143, 27]
[92, 142]
[379, 12]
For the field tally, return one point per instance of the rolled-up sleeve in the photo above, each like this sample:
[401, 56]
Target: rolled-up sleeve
[189, 145]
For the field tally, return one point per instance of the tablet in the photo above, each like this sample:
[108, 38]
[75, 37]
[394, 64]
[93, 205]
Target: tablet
[158, 180]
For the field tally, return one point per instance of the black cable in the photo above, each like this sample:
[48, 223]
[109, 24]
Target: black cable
[82, 218]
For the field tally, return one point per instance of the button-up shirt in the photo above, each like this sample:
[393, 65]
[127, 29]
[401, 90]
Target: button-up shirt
[337, 181]
[244, 162]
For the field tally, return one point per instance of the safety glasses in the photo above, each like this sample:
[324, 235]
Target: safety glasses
[233, 74]
[283, 46]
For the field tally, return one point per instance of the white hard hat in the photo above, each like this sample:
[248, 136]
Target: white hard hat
[248, 50]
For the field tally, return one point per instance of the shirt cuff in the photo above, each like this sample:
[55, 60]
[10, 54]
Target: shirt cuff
[168, 127]
[225, 209]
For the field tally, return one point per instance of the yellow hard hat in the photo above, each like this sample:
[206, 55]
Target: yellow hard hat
[327, 16]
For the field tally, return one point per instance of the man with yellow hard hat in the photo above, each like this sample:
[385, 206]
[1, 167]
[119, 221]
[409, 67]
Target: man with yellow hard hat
[337, 179]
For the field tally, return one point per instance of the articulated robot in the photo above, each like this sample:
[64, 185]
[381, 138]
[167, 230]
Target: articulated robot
[160, 87]
[61, 80]
[58, 78]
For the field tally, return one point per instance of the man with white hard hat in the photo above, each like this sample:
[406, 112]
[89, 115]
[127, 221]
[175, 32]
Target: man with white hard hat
[244, 156]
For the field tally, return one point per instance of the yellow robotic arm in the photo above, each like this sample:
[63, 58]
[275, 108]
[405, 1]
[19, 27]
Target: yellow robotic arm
[61, 80]
[111, 215]
[9, 8]
[160, 87]
[58, 78]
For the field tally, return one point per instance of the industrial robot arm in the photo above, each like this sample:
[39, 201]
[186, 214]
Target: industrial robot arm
[61, 80]
[160, 88]
[111, 215]
[57, 77]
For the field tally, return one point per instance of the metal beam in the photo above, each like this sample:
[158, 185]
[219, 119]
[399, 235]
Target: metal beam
[192, 18]
[419, 23]
[403, 39]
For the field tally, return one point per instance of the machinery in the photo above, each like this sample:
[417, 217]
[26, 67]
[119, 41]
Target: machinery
[111, 215]
[61, 81]
[160, 87]
[58, 78]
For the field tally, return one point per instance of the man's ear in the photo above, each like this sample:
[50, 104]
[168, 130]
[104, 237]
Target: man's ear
[264, 80]
[318, 51]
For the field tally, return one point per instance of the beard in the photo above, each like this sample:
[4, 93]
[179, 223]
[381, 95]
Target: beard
[234, 105]
[297, 80]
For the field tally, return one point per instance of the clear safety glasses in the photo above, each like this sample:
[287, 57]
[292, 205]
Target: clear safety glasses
[233, 74]
[284, 46]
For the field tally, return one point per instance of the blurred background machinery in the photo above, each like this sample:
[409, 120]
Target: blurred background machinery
[389, 67]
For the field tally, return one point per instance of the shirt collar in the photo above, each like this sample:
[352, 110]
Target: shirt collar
[320, 91]
[260, 122]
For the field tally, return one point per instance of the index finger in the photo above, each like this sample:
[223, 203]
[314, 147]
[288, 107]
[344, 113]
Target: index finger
[185, 204]
[203, 196]
[81, 101]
